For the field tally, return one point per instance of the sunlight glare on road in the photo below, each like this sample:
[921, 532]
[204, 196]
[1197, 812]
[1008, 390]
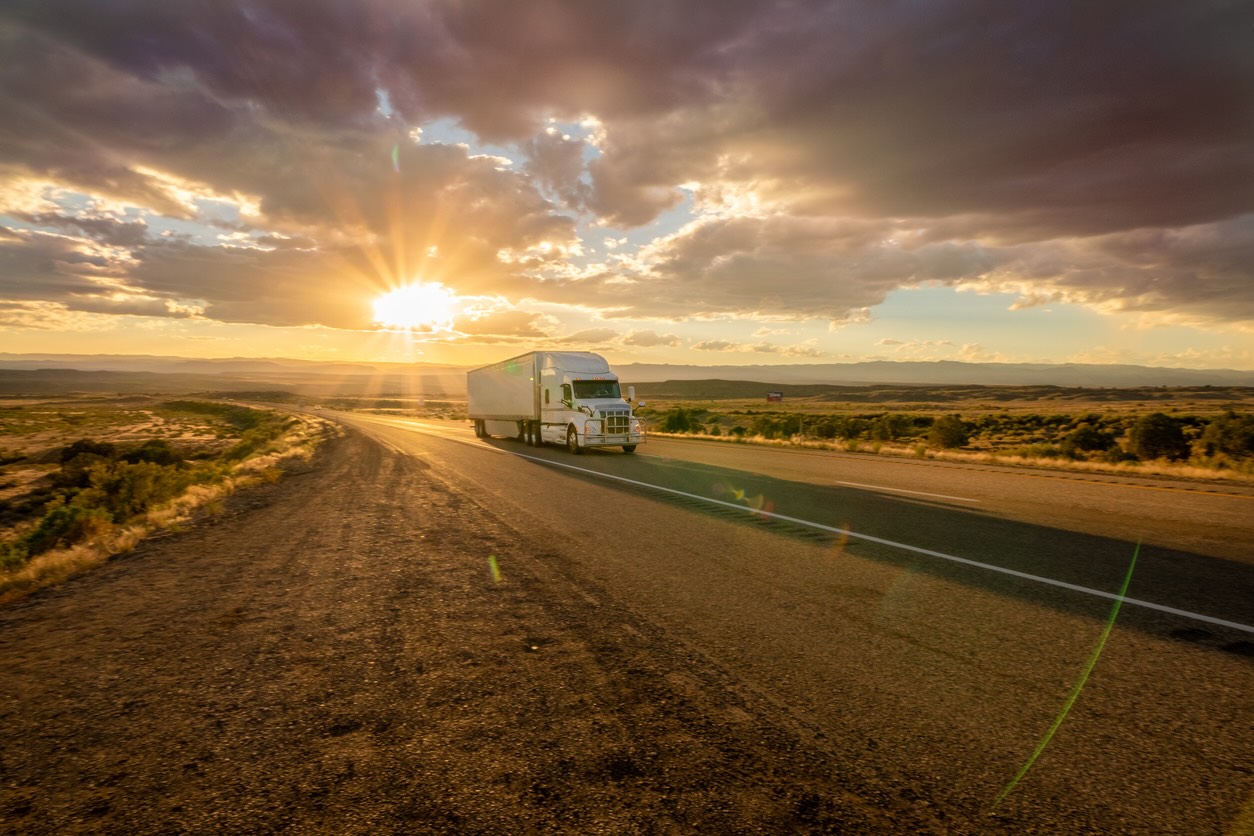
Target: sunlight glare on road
[753, 503]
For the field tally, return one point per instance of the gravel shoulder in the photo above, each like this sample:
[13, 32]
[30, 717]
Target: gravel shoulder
[335, 654]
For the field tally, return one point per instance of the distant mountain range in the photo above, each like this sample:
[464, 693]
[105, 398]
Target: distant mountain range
[18, 373]
[946, 372]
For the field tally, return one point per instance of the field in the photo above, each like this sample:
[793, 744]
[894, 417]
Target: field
[85, 477]
[1196, 432]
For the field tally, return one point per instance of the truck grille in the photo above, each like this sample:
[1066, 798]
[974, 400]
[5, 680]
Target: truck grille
[616, 423]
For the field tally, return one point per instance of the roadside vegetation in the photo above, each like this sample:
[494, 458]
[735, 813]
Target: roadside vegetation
[1215, 445]
[146, 465]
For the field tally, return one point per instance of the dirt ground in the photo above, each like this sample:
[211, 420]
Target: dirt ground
[335, 654]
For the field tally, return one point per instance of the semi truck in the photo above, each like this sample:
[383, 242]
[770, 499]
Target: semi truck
[554, 397]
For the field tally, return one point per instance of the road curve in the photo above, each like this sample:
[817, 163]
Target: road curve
[941, 678]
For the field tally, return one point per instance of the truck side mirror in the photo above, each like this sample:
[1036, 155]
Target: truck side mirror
[631, 393]
[641, 403]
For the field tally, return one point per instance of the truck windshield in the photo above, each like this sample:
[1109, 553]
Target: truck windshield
[588, 389]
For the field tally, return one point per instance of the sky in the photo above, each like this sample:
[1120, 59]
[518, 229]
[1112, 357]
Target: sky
[708, 182]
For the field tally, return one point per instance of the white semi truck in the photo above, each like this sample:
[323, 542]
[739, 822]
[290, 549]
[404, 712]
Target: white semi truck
[559, 397]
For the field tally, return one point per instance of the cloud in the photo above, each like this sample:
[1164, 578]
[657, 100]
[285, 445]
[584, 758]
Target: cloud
[716, 345]
[774, 267]
[591, 336]
[555, 161]
[1198, 275]
[829, 153]
[648, 338]
[505, 323]
[975, 353]
[799, 350]
[1215, 358]
[913, 346]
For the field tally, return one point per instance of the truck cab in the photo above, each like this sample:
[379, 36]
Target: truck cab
[586, 410]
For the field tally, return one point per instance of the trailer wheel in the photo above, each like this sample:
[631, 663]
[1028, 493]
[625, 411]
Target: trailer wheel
[537, 437]
[479, 430]
[572, 441]
[629, 448]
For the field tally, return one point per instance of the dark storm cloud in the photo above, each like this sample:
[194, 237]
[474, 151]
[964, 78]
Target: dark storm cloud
[1104, 116]
[1101, 151]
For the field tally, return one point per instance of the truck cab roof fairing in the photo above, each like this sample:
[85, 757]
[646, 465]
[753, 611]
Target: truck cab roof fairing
[579, 362]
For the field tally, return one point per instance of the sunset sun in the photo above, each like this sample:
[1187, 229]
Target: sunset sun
[417, 307]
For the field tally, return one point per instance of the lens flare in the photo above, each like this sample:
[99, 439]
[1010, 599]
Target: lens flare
[758, 503]
[1079, 686]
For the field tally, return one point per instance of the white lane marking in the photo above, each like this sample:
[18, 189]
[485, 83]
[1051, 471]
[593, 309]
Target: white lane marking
[903, 490]
[1097, 593]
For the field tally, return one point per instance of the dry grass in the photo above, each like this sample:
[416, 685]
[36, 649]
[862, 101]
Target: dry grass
[54, 567]
[57, 566]
[1243, 474]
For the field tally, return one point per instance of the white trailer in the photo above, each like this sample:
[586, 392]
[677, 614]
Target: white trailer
[558, 397]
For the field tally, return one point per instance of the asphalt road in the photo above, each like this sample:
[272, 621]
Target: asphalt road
[925, 624]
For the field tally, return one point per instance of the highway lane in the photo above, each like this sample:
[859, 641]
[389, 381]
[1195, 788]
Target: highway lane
[1210, 519]
[934, 678]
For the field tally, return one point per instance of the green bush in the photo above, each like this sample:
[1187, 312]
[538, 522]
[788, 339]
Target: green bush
[13, 556]
[124, 490]
[66, 525]
[98, 449]
[676, 420]
[948, 432]
[1230, 434]
[156, 451]
[1158, 436]
[891, 426]
[1087, 438]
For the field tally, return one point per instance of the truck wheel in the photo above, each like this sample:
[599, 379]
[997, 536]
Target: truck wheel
[572, 441]
[479, 431]
[629, 448]
[537, 437]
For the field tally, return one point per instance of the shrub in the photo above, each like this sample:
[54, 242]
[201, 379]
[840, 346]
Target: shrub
[1158, 436]
[890, 427]
[99, 449]
[765, 426]
[124, 490]
[66, 525]
[13, 556]
[1086, 438]
[677, 420]
[156, 451]
[1230, 434]
[949, 431]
